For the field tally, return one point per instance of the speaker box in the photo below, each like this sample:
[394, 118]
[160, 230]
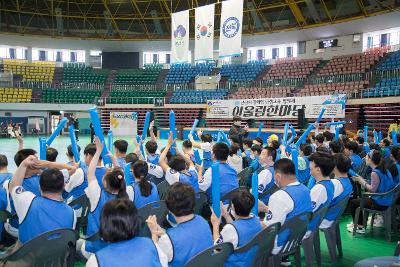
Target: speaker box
[301, 119]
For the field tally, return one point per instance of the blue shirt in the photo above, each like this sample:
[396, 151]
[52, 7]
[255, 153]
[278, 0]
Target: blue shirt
[100, 171]
[356, 161]
[4, 177]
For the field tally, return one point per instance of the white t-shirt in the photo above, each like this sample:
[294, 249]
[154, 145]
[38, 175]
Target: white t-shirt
[75, 180]
[264, 178]
[228, 235]
[236, 162]
[155, 170]
[206, 147]
[205, 183]
[172, 176]
[338, 189]
[318, 197]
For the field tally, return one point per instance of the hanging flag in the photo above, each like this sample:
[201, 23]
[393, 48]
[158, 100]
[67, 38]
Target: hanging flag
[230, 40]
[204, 32]
[180, 37]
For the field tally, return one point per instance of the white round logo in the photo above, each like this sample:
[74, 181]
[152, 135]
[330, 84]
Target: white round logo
[231, 27]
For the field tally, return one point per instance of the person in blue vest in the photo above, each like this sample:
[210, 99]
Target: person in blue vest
[4, 174]
[89, 152]
[3, 207]
[179, 168]
[321, 166]
[120, 149]
[152, 152]
[336, 146]
[77, 183]
[114, 187]
[395, 168]
[303, 174]
[187, 149]
[43, 213]
[205, 146]
[118, 226]
[247, 143]
[381, 182]
[142, 192]
[385, 145]
[255, 155]
[292, 199]
[130, 159]
[351, 150]
[342, 187]
[51, 154]
[239, 231]
[192, 233]
[266, 181]
[228, 175]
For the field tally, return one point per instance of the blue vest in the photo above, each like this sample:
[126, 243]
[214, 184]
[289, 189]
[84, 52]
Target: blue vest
[153, 159]
[99, 175]
[228, 180]
[271, 184]
[304, 175]
[94, 222]
[79, 190]
[385, 184]
[189, 239]
[3, 206]
[191, 179]
[332, 214]
[121, 162]
[45, 215]
[255, 165]
[356, 162]
[311, 182]
[330, 189]
[4, 177]
[396, 179]
[206, 160]
[141, 200]
[139, 251]
[387, 152]
[300, 195]
[129, 179]
[246, 229]
[30, 184]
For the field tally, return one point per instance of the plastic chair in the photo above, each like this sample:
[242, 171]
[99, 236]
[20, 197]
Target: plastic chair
[201, 202]
[309, 244]
[163, 189]
[83, 203]
[54, 248]
[387, 214]
[244, 176]
[211, 257]
[158, 208]
[297, 227]
[264, 241]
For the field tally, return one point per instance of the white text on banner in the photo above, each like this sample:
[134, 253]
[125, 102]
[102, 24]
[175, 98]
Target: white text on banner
[180, 36]
[230, 39]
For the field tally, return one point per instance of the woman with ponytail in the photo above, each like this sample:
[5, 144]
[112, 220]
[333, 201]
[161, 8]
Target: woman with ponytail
[114, 188]
[381, 182]
[142, 192]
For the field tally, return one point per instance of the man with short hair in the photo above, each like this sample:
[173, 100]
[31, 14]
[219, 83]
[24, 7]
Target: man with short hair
[4, 174]
[120, 148]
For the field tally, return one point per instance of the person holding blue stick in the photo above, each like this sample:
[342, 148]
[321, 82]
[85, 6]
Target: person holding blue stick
[205, 146]
[94, 116]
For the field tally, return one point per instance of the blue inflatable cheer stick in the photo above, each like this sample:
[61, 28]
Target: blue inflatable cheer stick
[98, 130]
[215, 184]
[57, 131]
[254, 191]
[75, 151]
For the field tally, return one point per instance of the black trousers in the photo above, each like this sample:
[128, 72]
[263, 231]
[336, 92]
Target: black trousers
[368, 203]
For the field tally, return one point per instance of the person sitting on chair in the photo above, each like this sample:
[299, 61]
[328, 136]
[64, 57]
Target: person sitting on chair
[118, 226]
[40, 214]
[120, 147]
[192, 233]
[266, 180]
[240, 231]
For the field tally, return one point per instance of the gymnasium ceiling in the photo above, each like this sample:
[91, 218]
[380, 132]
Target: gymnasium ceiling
[150, 19]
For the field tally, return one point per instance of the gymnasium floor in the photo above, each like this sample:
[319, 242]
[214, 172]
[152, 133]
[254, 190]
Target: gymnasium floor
[354, 248]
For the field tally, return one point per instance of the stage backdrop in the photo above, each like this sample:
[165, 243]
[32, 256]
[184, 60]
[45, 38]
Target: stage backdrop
[277, 108]
[123, 123]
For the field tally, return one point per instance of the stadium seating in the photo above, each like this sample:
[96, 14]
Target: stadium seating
[80, 73]
[243, 72]
[291, 68]
[148, 75]
[134, 97]
[15, 95]
[349, 88]
[82, 96]
[184, 73]
[391, 62]
[200, 96]
[386, 87]
[267, 92]
[31, 72]
[356, 63]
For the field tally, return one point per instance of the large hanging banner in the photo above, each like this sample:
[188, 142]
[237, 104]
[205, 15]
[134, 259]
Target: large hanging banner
[230, 38]
[277, 108]
[123, 123]
[204, 32]
[180, 37]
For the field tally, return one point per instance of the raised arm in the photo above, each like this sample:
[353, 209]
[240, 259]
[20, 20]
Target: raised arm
[56, 165]
[20, 141]
[152, 136]
[137, 148]
[163, 156]
[19, 174]
[95, 160]
[194, 143]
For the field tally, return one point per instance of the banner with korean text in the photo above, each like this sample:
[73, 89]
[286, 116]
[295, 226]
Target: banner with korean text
[123, 123]
[230, 40]
[204, 32]
[277, 108]
[180, 37]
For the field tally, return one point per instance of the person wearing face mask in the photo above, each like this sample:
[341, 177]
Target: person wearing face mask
[266, 173]
[292, 199]
[236, 129]
[239, 231]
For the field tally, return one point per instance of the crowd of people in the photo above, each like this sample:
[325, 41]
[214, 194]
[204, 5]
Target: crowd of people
[39, 191]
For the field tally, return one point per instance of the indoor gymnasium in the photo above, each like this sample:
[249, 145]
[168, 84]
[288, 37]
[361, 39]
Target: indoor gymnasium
[199, 133]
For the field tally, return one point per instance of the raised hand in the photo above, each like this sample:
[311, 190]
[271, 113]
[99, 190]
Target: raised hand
[98, 143]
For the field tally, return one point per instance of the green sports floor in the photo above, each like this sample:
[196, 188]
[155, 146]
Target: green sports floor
[372, 244]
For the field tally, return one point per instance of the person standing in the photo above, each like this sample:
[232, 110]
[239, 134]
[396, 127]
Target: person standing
[236, 129]
[91, 133]
[76, 126]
